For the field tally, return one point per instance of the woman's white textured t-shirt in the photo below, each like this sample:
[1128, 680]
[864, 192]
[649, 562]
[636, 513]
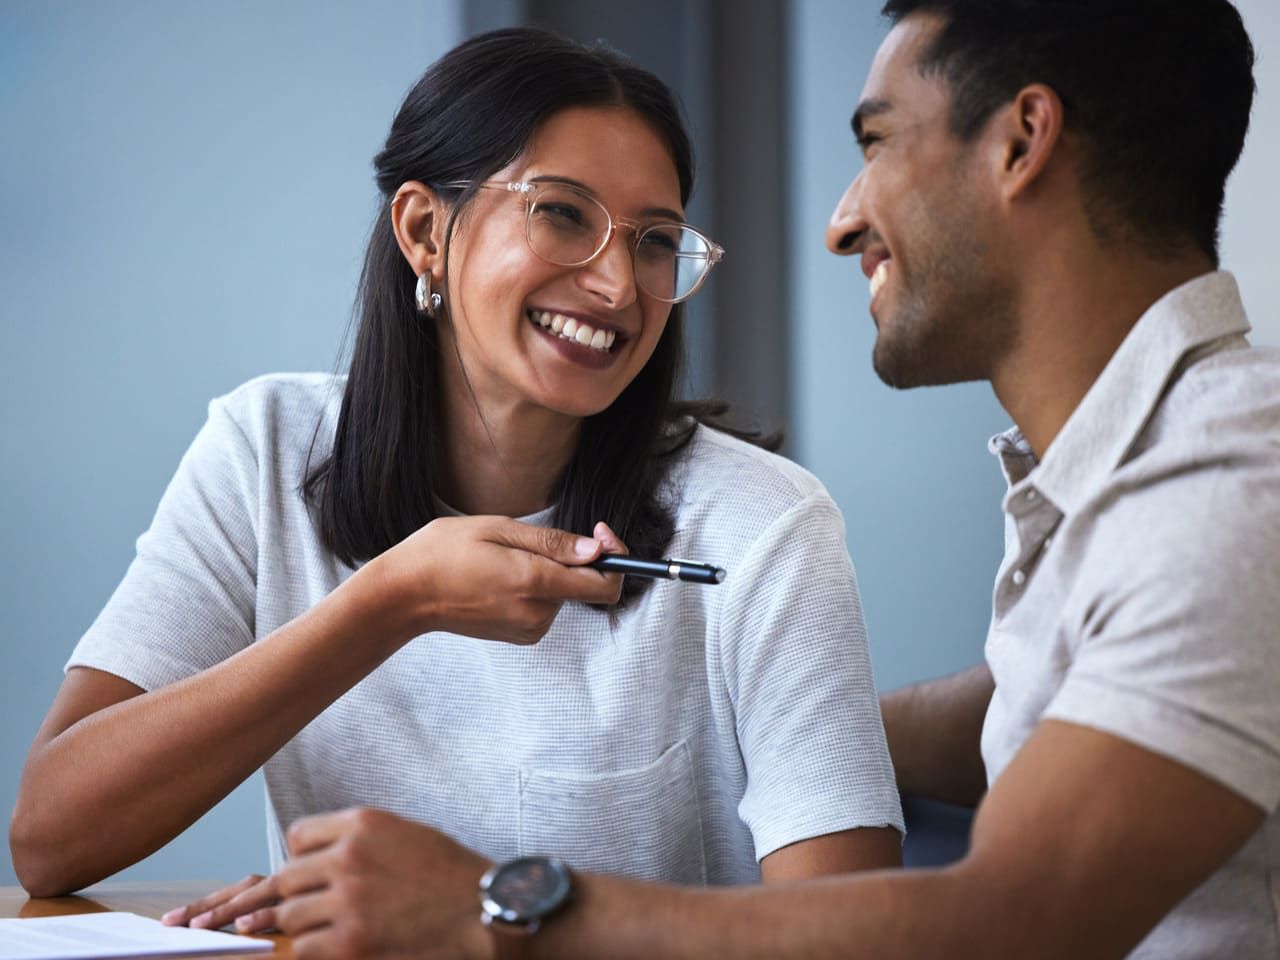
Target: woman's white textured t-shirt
[706, 728]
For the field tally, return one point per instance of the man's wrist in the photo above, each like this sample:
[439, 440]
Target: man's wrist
[519, 897]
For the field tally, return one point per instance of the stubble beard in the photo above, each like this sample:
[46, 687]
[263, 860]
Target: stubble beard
[954, 321]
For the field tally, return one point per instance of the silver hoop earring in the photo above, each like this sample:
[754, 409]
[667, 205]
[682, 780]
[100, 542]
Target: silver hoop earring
[428, 302]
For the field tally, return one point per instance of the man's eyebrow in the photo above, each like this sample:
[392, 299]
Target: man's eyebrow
[867, 109]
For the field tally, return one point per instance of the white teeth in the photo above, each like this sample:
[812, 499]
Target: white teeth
[572, 329]
[879, 277]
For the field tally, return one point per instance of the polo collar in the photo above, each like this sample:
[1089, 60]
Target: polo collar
[1106, 423]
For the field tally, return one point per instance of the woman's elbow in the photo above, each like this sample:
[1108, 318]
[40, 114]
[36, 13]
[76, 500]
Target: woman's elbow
[35, 858]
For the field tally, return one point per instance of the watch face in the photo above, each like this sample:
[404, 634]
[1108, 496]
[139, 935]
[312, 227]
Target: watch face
[529, 888]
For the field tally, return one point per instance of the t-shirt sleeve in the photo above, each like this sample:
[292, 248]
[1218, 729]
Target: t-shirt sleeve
[1180, 648]
[798, 673]
[187, 600]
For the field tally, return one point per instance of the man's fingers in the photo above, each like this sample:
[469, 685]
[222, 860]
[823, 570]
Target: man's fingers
[316, 832]
[259, 921]
[320, 944]
[307, 913]
[305, 873]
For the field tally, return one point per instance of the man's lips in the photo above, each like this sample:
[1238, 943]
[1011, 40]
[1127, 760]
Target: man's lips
[872, 259]
[879, 277]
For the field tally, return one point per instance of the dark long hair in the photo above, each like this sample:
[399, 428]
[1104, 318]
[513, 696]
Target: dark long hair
[472, 114]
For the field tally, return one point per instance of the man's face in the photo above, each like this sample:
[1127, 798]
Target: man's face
[919, 214]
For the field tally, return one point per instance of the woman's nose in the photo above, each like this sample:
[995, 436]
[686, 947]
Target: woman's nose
[612, 275]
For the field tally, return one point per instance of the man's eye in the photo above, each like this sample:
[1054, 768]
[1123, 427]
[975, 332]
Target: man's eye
[867, 140]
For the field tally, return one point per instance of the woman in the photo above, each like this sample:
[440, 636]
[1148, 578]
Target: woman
[334, 588]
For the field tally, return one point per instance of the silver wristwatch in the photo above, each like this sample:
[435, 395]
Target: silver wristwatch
[516, 896]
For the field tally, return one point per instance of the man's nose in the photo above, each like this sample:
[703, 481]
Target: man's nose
[846, 230]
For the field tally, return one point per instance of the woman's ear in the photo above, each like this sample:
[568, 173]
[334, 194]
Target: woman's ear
[419, 217]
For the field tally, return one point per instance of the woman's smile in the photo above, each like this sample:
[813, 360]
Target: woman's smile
[582, 332]
[586, 342]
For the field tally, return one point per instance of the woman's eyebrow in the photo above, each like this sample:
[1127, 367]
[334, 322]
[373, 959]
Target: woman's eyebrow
[662, 213]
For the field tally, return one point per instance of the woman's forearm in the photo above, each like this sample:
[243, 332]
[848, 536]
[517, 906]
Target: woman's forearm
[120, 782]
[115, 774]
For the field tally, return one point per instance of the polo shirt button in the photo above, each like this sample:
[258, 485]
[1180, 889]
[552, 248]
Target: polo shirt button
[1031, 496]
[1019, 578]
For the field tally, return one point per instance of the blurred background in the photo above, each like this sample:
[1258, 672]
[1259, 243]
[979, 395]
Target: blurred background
[185, 195]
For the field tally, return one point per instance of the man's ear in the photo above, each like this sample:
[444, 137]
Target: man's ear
[1028, 132]
[419, 217]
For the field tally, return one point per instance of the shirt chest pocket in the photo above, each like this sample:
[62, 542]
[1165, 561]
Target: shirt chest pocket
[642, 823]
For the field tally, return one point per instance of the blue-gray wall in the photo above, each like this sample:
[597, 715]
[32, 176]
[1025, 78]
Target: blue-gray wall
[1253, 198]
[185, 191]
[184, 196]
[920, 494]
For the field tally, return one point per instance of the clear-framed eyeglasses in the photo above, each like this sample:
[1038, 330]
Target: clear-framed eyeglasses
[567, 226]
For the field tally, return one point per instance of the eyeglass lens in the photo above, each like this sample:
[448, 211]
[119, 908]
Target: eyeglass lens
[569, 227]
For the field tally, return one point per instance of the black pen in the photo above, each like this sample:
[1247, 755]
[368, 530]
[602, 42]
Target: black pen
[665, 569]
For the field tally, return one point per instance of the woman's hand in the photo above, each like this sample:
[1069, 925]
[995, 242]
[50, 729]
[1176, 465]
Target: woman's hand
[493, 577]
[251, 896]
[368, 884]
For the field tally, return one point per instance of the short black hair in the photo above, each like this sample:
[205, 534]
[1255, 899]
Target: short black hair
[1158, 92]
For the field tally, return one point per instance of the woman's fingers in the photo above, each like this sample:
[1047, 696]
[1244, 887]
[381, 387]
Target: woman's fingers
[559, 545]
[184, 915]
[260, 895]
[608, 539]
[491, 577]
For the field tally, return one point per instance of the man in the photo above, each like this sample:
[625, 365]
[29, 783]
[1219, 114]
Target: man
[1038, 208]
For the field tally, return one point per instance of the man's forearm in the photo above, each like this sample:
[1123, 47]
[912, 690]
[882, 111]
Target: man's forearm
[934, 731]
[868, 915]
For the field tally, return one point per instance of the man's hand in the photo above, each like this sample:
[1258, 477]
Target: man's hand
[367, 884]
[1081, 846]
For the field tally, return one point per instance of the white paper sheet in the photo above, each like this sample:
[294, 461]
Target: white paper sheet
[97, 936]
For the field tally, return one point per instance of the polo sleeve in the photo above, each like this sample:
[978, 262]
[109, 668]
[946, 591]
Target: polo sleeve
[1180, 637]
[798, 672]
[187, 600]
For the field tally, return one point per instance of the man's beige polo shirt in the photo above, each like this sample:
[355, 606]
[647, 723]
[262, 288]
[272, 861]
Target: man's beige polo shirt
[1140, 590]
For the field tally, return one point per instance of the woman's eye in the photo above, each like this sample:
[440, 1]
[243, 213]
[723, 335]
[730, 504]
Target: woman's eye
[560, 214]
[658, 243]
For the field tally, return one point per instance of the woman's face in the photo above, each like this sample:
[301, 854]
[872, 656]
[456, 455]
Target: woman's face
[505, 303]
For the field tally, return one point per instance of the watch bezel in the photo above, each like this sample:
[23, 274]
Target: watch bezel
[510, 919]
